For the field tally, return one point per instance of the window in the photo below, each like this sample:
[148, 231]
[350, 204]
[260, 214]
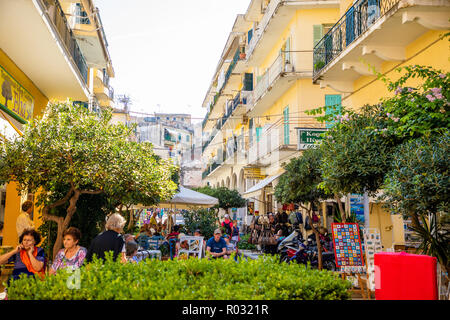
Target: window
[174, 119]
[167, 118]
[187, 138]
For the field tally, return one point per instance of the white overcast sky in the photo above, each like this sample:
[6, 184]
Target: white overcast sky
[166, 51]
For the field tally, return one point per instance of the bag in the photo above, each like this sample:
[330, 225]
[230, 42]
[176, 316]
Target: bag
[315, 218]
[307, 223]
[272, 240]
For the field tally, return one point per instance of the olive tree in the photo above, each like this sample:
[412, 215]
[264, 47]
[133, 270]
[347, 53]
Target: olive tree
[70, 151]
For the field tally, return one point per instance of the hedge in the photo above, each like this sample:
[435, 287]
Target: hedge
[192, 279]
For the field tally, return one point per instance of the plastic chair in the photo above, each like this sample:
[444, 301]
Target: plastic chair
[172, 248]
[155, 242]
[143, 242]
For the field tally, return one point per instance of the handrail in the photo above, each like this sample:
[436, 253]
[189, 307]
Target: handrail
[60, 22]
[355, 22]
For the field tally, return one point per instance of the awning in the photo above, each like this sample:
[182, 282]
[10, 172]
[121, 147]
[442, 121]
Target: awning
[254, 191]
[185, 199]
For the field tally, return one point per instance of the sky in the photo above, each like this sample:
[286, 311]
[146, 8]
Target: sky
[165, 52]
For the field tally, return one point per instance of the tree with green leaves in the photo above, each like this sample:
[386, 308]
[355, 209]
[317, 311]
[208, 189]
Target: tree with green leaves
[356, 158]
[71, 152]
[300, 184]
[227, 198]
[418, 188]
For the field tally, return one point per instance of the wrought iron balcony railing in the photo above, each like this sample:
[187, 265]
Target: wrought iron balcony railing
[357, 20]
[58, 18]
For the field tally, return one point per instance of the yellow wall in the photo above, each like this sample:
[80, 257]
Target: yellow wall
[40, 100]
[13, 200]
[437, 55]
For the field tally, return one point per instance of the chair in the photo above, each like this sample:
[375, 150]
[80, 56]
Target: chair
[172, 248]
[143, 241]
[155, 242]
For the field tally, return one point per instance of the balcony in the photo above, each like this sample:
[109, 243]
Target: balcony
[235, 108]
[277, 142]
[372, 32]
[224, 158]
[88, 29]
[271, 146]
[288, 67]
[277, 16]
[42, 45]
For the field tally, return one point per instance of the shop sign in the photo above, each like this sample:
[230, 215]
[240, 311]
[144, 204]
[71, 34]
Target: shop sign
[15, 99]
[307, 138]
[253, 173]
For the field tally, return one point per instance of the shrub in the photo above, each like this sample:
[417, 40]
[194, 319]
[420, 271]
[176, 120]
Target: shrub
[243, 244]
[193, 279]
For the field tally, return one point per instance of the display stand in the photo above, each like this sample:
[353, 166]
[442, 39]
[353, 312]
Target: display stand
[348, 252]
[191, 245]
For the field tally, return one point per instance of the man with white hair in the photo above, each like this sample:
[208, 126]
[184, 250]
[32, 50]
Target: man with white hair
[110, 240]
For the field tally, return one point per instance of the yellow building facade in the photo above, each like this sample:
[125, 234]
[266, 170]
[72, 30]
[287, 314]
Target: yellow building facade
[254, 113]
[381, 36]
[285, 57]
[43, 58]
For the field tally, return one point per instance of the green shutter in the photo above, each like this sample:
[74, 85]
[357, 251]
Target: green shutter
[258, 133]
[286, 125]
[317, 33]
[248, 82]
[332, 100]
[287, 49]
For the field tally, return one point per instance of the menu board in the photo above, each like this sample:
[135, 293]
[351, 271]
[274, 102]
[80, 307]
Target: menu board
[347, 247]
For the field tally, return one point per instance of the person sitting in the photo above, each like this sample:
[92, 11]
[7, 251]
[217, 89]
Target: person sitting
[231, 247]
[216, 245]
[110, 240]
[172, 238]
[280, 236]
[28, 258]
[72, 255]
[235, 238]
[131, 251]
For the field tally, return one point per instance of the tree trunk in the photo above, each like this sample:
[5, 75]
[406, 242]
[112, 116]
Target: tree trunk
[63, 225]
[341, 209]
[316, 233]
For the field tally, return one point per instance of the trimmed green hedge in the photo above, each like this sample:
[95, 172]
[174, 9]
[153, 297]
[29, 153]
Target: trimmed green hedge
[187, 279]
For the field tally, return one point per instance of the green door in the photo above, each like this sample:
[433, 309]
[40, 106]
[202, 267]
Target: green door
[335, 101]
[286, 124]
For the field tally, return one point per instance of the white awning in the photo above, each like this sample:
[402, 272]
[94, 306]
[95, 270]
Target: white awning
[251, 192]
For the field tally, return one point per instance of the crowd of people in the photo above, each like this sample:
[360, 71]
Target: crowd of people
[29, 259]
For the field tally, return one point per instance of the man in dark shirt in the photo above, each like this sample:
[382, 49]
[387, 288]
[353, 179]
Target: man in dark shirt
[110, 240]
[216, 245]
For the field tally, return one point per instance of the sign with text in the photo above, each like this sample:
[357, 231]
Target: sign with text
[253, 173]
[15, 99]
[307, 138]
